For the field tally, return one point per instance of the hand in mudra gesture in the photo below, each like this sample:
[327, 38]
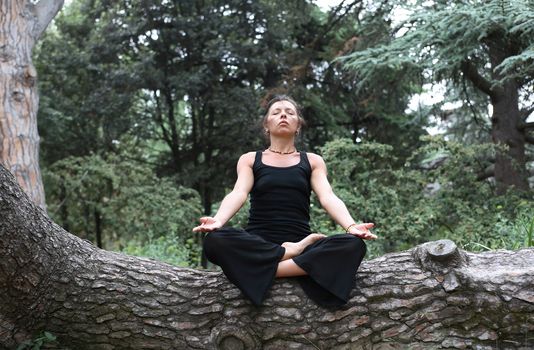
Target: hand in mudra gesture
[208, 224]
[362, 230]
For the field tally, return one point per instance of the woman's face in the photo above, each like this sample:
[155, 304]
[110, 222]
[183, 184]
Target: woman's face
[282, 119]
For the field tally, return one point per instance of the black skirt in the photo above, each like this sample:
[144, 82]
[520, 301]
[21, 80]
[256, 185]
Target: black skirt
[250, 262]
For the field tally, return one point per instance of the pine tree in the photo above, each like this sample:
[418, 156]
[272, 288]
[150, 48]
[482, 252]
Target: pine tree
[490, 44]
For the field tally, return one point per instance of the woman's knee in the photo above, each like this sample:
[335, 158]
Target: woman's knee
[356, 243]
[214, 241]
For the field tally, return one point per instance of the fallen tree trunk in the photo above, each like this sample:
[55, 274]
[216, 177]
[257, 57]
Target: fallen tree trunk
[431, 296]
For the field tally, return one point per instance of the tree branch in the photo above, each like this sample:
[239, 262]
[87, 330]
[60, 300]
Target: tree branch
[529, 139]
[481, 83]
[335, 16]
[45, 11]
[473, 109]
[159, 119]
[526, 126]
[525, 112]
[333, 20]
[431, 296]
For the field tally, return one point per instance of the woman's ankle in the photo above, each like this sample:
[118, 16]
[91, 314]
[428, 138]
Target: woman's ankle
[289, 268]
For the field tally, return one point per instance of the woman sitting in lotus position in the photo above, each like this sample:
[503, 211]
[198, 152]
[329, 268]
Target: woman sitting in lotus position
[277, 241]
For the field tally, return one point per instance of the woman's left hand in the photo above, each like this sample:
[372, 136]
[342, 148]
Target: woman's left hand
[362, 231]
[208, 224]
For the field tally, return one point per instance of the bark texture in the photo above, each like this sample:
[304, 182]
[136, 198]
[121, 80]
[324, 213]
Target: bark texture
[432, 296]
[510, 166]
[21, 25]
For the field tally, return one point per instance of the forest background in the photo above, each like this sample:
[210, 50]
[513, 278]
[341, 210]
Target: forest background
[145, 107]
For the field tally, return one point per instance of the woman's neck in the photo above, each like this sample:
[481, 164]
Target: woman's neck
[282, 145]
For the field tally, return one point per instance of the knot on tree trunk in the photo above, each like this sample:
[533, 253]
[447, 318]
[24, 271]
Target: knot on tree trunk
[28, 76]
[439, 256]
[235, 338]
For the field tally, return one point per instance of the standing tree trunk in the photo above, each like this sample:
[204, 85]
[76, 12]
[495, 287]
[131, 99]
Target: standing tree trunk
[432, 296]
[21, 25]
[506, 120]
[510, 163]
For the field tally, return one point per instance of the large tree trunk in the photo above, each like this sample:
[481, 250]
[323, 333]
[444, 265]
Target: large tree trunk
[21, 25]
[510, 164]
[507, 129]
[428, 297]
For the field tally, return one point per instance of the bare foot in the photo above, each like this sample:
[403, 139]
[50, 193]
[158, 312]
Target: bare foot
[296, 248]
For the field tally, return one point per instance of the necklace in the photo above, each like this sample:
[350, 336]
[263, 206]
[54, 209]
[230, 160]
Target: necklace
[272, 150]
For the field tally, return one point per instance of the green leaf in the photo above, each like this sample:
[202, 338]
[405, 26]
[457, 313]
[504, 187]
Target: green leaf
[49, 336]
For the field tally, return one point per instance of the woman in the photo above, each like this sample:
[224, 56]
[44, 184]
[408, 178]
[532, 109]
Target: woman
[277, 241]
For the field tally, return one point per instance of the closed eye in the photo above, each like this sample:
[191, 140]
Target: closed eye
[288, 111]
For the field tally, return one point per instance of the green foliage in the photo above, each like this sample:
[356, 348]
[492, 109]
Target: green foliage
[508, 233]
[481, 50]
[122, 199]
[406, 209]
[141, 101]
[189, 76]
[86, 103]
[153, 209]
[169, 249]
[528, 227]
[438, 38]
[35, 344]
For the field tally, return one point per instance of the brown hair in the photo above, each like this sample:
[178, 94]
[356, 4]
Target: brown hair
[283, 97]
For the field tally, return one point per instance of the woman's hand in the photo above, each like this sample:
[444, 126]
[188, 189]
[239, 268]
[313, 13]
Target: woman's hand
[208, 224]
[362, 231]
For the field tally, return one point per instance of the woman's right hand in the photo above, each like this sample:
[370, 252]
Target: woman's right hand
[362, 230]
[208, 224]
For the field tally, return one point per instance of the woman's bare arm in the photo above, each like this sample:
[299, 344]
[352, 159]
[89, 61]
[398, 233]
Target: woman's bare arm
[234, 200]
[331, 203]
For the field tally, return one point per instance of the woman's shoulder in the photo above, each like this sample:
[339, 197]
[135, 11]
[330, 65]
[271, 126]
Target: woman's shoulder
[315, 160]
[313, 157]
[247, 158]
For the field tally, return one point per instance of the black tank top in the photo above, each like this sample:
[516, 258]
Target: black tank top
[280, 201]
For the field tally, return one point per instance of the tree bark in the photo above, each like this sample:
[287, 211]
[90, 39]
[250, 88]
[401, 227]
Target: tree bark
[431, 296]
[21, 25]
[510, 165]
